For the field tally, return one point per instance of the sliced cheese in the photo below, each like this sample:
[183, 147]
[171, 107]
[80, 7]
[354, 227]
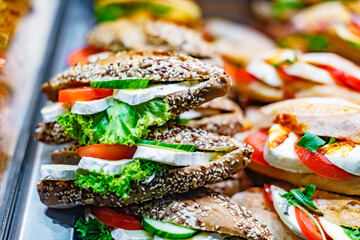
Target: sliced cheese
[346, 156]
[92, 107]
[108, 167]
[334, 231]
[49, 113]
[122, 234]
[98, 56]
[173, 157]
[58, 171]
[192, 114]
[264, 72]
[285, 211]
[309, 72]
[344, 33]
[283, 156]
[135, 97]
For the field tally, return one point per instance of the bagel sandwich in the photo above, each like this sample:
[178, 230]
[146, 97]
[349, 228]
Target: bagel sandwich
[287, 216]
[311, 141]
[197, 214]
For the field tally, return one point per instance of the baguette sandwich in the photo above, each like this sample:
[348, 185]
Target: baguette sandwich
[200, 214]
[303, 213]
[283, 73]
[311, 141]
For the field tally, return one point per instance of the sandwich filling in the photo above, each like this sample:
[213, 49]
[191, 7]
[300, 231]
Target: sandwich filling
[306, 213]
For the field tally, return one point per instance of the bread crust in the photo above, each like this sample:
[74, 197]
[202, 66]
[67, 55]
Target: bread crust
[204, 210]
[348, 186]
[154, 65]
[64, 193]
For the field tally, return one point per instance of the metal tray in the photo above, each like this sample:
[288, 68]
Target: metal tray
[57, 27]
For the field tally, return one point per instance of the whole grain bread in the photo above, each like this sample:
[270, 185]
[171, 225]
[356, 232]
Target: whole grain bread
[205, 210]
[65, 194]
[154, 65]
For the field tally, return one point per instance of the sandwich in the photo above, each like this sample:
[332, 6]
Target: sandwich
[116, 100]
[199, 214]
[143, 34]
[331, 26]
[284, 73]
[172, 158]
[311, 141]
[185, 12]
[303, 213]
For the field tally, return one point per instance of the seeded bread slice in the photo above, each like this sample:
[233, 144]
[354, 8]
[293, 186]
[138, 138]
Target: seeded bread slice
[65, 194]
[205, 210]
[156, 66]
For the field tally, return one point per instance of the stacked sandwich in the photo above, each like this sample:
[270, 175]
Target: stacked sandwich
[139, 169]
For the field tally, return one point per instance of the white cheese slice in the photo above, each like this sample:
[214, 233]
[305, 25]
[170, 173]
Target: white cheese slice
[333, 60]
[58, 171]
[173, 157]
[264, 72]
[92, 107]
[201, 236]
[135, 97]
[309, 72]
[344, 33]
[345, 157]
[192, 114]
[108, 167]
[285, 211]
[49, 113]
[334, 231]
[98, 56]
[283, 156]
[122, 234]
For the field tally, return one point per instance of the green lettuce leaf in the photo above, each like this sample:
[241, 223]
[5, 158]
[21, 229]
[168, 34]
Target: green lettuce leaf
[92, 230]
[120, 184]
[354, 234]
[120, 123]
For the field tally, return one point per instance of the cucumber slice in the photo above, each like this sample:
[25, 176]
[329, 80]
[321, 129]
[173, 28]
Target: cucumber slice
[121, 84]
[167, 230]
[185, 148]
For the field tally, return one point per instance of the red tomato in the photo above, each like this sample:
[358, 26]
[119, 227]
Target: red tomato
[114, 219]
[83, 94]
[319, 164]
[108, 152]
[80, 55]
[267, 195]
[257, 141]
[238, 74]
[344, 78]
[2, 59]
[308, 227]
[354, 28]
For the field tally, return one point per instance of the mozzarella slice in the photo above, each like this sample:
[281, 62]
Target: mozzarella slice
[92, 107]
[192, 114]
[122, 234]
[285, 211]
[334, 231]
[333, 60]
[264, 72]
[173, 157]
[309, 72]
[49, 113]
[283, 156]
[345, 155]
[344, 33]
[96, 57]
[108, 167]
[135, 97]
[58, 171]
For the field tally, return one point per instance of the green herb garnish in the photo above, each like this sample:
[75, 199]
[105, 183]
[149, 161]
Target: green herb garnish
[310, 142]
[354, 234]
[92, 230]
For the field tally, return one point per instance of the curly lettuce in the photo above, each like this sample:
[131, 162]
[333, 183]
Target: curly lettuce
[120, 123]
[102, 183]
[92, 230]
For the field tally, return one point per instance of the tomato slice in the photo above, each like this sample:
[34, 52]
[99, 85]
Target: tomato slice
[257, 141]
[83, 94]
[108, 152]
[267, 194]
[308, 226]
[319, 164]
[354, 28]
[80, 55]
[343, 78]
[114, 219]
[238, 74]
